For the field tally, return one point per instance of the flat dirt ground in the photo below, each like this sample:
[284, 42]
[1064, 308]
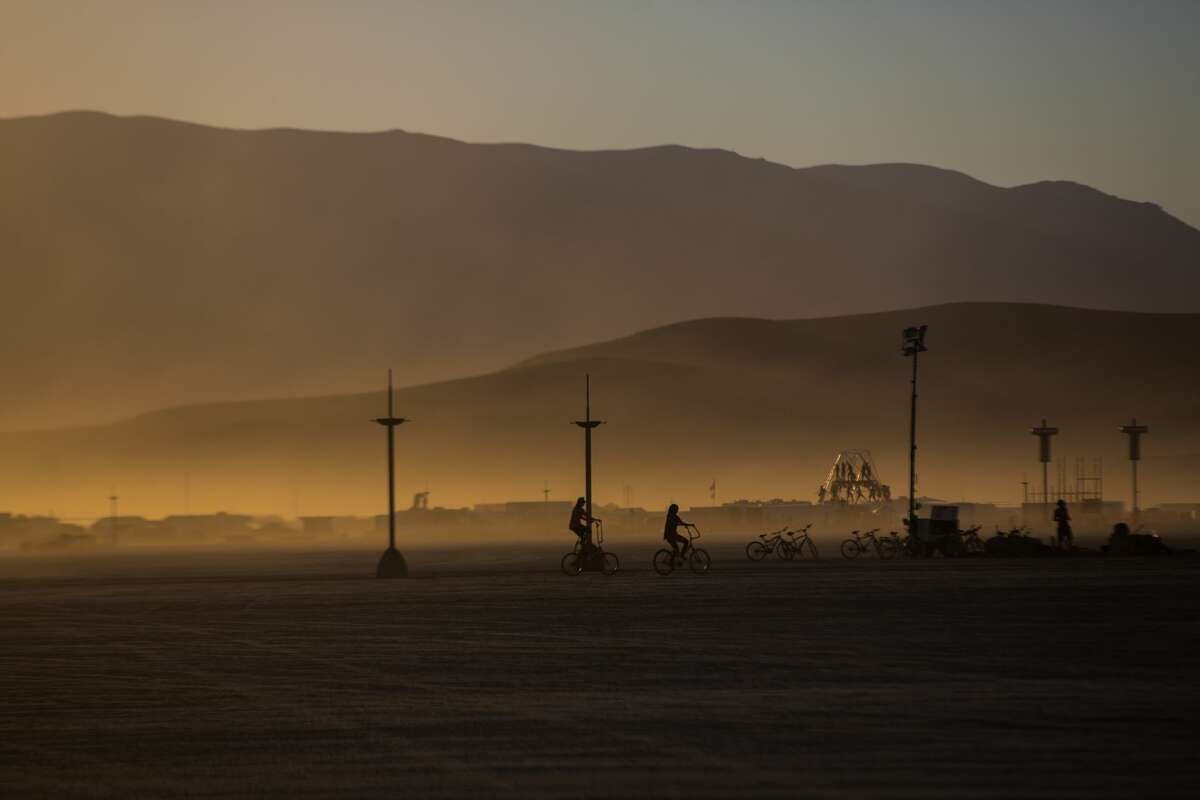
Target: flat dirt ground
[298, 675]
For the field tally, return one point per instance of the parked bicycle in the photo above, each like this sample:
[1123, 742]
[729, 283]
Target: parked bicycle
[859, 544]
[594, 558]
[801, 543]
[972, 543]
[767, 543]
[666, 561]
[895, 545]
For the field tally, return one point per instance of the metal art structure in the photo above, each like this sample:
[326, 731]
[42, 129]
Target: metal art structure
[913, 345]
[853, 480]
[1134, 432]
[391, 563]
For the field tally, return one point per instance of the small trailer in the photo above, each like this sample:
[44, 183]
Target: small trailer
[939, 534]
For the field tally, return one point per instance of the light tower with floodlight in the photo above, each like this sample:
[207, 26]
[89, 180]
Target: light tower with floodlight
[1134, 432]
[913, 345]
[1044, 433]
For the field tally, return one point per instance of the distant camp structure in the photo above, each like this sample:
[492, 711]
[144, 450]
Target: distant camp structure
[853, 480]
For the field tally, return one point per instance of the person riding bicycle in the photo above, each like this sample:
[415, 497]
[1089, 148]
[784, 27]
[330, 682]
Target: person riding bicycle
[671, 532]
[580, 524]
[1062, 517]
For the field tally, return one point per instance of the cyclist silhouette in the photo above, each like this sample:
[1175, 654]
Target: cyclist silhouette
[580, 524]
[671, 531]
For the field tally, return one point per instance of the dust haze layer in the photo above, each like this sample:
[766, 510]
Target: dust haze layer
[762, 406]
[149, 263]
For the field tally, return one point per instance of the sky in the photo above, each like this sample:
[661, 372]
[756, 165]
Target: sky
[1103, 93]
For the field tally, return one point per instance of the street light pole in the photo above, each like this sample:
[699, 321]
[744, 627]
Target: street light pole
[391, 564]
[1044, 433]
[1134, 432]
[914, 344]
[112, 515]
[587, 423]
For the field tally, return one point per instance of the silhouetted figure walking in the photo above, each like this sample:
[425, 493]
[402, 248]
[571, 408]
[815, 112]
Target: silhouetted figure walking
[1063, 519]
[581, 525]
[671, 532]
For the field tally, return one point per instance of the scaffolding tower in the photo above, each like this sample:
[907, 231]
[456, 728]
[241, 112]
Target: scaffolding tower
[1088, 483]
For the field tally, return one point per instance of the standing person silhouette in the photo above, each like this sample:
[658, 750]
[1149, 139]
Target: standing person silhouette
[580, 525]
[1063, 519]
[671, 532]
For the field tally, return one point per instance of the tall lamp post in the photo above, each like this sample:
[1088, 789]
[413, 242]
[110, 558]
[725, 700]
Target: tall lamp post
[587, 423]
[1044, 433]
[112, 514]
[1134, 432]
[914, 344]
[391, 563]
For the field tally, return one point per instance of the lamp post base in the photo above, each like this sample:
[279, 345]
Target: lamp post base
[391, 565]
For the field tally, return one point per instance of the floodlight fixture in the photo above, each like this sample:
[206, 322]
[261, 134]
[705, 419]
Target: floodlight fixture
[914, 340]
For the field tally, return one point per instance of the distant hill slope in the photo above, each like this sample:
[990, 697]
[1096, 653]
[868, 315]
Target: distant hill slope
[156, 262]
[762, 406]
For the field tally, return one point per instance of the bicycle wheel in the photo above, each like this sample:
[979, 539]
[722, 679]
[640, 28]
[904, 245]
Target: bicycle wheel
[610, 564]
[887, 548]
[812, 549]
[664, 562]
[756, 551]
[851, 549]
[699, 560]
[785, 551]
[571, 564]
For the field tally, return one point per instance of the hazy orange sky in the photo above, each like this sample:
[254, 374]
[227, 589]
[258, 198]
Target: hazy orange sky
[1103, 93]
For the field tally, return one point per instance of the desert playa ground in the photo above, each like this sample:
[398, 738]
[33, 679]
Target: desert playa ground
[299, 675]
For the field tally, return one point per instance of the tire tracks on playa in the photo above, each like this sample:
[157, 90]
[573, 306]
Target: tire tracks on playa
[126, 630]
[258, 695]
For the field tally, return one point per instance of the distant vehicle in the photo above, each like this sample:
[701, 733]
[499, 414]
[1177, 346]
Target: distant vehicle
[666, 562]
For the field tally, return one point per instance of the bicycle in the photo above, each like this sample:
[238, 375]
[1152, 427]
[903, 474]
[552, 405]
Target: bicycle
[972, 544]
[594, 560]
[856, 546]
[895, 546]
[767, 543]
[665, 561]
[801, 543]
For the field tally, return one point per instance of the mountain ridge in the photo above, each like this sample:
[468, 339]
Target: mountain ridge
[963, 178]
[765, 411]
[158, 261]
